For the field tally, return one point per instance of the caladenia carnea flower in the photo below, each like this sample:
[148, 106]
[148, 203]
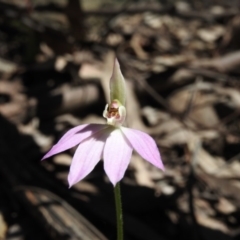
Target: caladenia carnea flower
[111, 142]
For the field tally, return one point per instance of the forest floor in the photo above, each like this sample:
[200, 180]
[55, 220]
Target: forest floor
[181, 62]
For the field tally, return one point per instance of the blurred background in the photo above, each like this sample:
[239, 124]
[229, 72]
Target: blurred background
[181, 61]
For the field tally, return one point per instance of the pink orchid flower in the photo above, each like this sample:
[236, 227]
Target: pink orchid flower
[111, 142]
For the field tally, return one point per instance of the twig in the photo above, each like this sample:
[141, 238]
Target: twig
[190, 185]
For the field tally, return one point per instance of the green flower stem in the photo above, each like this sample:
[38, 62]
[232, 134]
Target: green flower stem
[118, 203]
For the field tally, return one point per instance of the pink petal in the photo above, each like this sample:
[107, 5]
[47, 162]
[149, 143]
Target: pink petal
[72, 131]
[117, 154]
[144, 145]
[86, 157]
[73, 137]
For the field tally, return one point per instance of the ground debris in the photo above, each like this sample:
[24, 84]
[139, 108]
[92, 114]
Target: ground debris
[181, 63]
